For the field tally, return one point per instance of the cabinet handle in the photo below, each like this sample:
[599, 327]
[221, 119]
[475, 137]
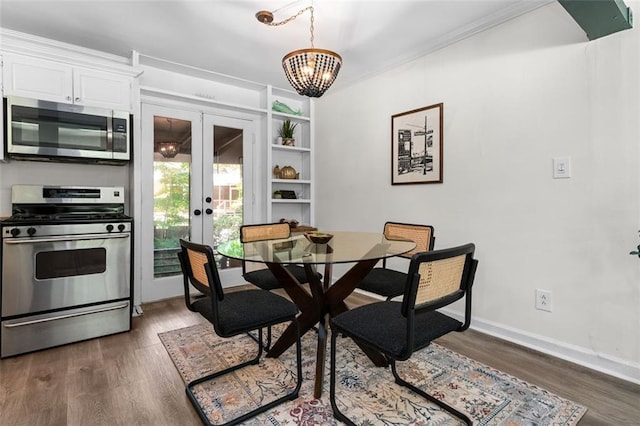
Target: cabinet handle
[68, 98]
[77, 99]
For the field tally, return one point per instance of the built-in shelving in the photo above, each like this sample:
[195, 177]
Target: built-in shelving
[300, 157]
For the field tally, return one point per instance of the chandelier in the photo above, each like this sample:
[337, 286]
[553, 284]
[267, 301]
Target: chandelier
[310, 71]
[170, 148]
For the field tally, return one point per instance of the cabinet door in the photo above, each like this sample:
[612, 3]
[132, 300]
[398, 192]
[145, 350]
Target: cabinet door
[2, 145]
[101, 89]
[37, 78]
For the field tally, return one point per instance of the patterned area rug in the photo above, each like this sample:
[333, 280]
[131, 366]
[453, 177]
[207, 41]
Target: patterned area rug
[366, 393]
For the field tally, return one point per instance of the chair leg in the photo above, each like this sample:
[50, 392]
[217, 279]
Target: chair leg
[332, 383]
[431, 398]
[288, 397]
[267, 345]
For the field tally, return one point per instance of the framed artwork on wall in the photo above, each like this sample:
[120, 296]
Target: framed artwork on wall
[416, 146]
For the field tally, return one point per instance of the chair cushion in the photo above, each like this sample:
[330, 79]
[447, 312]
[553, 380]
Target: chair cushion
[385, 282]
[247, 310]
[265, 279]
[382, 326]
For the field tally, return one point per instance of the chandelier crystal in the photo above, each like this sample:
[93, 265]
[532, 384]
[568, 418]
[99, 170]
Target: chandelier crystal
[310, 71]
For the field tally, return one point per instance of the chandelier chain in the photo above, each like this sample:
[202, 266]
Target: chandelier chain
[291, 18]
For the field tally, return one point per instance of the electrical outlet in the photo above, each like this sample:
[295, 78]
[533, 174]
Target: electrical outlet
[543, 300]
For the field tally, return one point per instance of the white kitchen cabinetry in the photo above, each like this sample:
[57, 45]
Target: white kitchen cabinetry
[59, 82]
[299, 156]
[2, 144]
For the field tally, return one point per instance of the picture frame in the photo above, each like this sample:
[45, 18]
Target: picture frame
[288, 195]
[417, 146]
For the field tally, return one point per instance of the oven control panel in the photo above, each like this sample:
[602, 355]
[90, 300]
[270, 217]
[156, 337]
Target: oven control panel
[32, 230]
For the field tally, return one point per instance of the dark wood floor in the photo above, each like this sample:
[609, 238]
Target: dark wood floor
[129, 379]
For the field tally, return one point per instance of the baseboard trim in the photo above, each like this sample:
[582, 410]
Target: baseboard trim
[606, 364]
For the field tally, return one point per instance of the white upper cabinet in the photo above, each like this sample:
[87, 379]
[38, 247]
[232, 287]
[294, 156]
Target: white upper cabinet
[58, 82]
[97, 88]
[2, 144]
[38, 79]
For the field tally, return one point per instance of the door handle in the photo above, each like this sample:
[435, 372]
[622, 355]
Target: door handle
[197, 212]
[208, 211]
[636, 252]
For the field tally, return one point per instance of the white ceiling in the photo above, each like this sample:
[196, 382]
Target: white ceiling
[224, 36]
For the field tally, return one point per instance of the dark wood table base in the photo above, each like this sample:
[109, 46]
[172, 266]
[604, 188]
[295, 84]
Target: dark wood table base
[325, 301]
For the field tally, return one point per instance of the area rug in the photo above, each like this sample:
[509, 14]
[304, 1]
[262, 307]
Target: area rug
[367, 394]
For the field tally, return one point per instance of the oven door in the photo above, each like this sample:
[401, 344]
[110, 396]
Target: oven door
[49, 273]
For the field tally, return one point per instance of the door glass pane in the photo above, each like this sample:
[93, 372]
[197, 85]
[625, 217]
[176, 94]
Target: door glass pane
[171, 189]
[227, 188]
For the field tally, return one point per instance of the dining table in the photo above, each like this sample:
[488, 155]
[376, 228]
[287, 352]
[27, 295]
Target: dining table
[324, 298]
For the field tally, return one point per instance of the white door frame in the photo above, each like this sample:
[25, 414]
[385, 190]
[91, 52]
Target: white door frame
[161, 288]
[232, 276]
[142, 204]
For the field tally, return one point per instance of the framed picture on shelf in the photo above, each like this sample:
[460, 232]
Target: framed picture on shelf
[288, 195]
[416, 146]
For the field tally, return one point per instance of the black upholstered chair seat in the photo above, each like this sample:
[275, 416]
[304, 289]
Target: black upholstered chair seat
[383, 326]
[385, 282]
[265, 279]
[247, 310]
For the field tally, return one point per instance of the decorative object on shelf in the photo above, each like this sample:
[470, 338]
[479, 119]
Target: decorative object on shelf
[277, 195]
[276, 172]
[288, 172]
[288, 195]
[286, 132]
[292, 223]
[171, 148]
[416, 146]
[310, 71]
[282, 107]
[317, 237]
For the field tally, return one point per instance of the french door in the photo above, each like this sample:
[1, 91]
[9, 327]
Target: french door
[196, 184]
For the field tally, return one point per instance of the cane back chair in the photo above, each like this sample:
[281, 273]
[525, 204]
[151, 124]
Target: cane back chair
[390, 283]
[397, 329]
[257, 273]
[232, 314]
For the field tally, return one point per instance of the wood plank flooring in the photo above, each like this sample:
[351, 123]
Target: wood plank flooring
[129, 379]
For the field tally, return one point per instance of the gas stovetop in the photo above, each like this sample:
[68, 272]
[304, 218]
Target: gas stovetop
[34, 206]
[50, 214]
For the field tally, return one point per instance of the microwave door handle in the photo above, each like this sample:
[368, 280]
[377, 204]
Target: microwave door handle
[110, 134]
[62, 239]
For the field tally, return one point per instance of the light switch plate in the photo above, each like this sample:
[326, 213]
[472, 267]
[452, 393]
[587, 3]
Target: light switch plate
[561, 167]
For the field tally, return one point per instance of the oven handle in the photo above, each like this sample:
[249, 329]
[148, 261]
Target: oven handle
[59, 317]
[71, 238]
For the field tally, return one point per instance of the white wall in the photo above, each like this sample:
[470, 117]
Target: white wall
[514, 97]
[46, 173]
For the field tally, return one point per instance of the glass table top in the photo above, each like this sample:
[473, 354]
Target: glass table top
[344, 247]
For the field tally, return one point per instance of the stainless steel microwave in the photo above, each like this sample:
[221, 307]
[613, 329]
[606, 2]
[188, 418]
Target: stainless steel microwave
[65, 132]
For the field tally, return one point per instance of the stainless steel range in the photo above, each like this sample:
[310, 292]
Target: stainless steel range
[66, 267]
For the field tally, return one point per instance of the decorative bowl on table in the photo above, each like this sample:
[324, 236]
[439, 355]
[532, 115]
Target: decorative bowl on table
[318, 237]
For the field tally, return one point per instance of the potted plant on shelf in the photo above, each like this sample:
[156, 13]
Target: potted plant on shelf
[286, 132]
[277, 194]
